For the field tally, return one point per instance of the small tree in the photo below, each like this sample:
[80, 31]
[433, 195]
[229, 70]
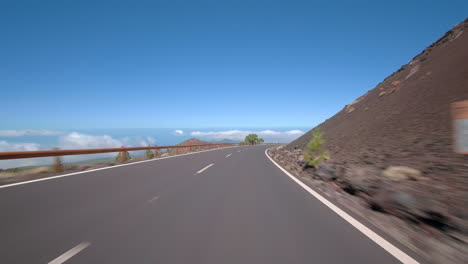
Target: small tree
[123, 158]
[252, 139]
[314, 154]
[58, 166]
[149, 154]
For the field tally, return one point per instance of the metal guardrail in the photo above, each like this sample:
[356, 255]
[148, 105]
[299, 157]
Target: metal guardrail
[67, 152]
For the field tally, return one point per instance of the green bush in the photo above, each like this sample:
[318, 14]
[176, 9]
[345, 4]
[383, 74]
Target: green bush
[149, 154]
[314, 153]
[252, 139]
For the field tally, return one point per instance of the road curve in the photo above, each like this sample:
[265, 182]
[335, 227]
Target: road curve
[231, 205]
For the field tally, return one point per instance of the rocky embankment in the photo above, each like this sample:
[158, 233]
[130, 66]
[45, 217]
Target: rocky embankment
[398, 200]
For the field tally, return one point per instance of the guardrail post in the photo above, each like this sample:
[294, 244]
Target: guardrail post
[122, 156]
[58, 166]
[156, 152]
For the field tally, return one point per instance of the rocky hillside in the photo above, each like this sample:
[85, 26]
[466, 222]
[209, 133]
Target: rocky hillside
[392, 149]
[405, 120]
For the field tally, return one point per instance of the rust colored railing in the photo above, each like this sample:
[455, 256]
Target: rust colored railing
[67, 152]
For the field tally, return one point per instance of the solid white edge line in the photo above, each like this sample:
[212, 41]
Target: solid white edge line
[393, 250]
[70, 253]
[205, 168]
[106, 168]
[227, 156]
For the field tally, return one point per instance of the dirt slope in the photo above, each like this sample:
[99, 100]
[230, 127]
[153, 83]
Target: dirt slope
[392, 158]
[406, 120]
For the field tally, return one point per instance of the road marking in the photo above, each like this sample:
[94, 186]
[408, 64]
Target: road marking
[153, 199]
[393, 250]
[227, 156]
[238, 151]
[105, 168]
[202, 170]
[70, 253]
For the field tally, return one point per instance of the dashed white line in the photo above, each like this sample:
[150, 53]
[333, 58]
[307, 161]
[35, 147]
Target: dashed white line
[202, 170]
[227, 156]
[153, 199]
[70, 253]
[238, 151]
[390, 248]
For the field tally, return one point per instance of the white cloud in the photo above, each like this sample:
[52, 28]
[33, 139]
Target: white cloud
[140, 141]
[72, 140]
[77, 140]
[6, 147]
[220, 135]
[28, 132]
[295, 132]
[178, 132]
[269, 132]
[239, 135]
[151, 140]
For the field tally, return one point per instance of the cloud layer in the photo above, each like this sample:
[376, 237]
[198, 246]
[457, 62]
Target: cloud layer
[28, 132]
[178, 132]
[239, 135]
[73, 140]
[7, 147]
[77, 140]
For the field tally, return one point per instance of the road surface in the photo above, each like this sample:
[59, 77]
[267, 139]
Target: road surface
[230, 205]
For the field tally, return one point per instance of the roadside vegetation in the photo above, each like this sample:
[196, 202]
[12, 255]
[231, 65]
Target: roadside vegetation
[149, 154]
[18, 172]
[126, 156]
[252, 139]
[315, 153]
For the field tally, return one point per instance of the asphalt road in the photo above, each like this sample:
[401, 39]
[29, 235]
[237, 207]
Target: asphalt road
[241, 209]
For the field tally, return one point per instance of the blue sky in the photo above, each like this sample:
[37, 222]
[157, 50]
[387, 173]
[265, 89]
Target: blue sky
[194, 64]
